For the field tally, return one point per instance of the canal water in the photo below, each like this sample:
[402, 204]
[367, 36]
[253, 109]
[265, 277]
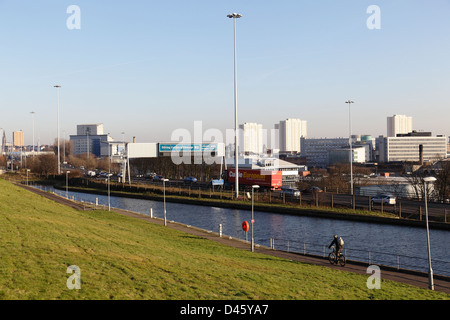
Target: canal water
[398, 246]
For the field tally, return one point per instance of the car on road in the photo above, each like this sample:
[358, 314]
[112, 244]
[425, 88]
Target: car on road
[190, 180]
[91, 173]
[312, 189]
[291, 192]
[384, 198]
[158, 178]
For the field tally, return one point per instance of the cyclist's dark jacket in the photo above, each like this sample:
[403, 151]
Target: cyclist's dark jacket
[335, 242]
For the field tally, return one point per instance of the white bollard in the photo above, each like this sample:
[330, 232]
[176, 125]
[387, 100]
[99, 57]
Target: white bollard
[151, 213]
[220, 230]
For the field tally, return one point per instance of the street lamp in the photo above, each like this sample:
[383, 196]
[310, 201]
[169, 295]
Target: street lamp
[124, 164]
[88, 145]
[235, 16]
[64, 147]
[253, 220]
[57, 96]
[350, 141]
[109, 175]
[32, 118]
[164, 190]
[67, 184]
[426, 181]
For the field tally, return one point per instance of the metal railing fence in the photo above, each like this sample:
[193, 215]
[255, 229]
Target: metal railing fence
[371, 257]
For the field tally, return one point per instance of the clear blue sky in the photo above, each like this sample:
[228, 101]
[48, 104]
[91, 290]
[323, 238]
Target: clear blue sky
[147, 68]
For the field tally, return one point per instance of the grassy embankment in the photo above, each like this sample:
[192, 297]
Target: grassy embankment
[125, 258]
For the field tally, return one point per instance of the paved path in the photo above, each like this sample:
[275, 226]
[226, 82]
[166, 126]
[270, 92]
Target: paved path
[419, 280]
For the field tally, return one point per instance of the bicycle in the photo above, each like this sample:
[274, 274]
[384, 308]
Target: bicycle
[333, 260]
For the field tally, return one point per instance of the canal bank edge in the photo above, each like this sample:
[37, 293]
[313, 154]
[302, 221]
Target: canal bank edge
[318, 213]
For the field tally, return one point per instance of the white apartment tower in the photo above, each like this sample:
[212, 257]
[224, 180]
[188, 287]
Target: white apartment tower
[289, 133]
[398, 124]
[251, 138]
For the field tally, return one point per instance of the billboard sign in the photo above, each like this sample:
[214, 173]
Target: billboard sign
[189, 147]
[217, 182]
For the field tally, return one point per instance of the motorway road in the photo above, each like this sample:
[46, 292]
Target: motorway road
[410, 209]
[407, 208]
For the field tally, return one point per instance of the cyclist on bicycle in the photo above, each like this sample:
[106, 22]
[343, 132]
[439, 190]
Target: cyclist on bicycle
[339, 244]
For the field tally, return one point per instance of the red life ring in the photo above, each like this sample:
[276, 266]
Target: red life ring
[245, 226]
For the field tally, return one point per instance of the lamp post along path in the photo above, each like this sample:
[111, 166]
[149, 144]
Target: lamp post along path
[164, 191]
[426, 181]
[235, 16]
[67, 184]
[57, 97]
[32, 118]
[350, 142]
[253, 218]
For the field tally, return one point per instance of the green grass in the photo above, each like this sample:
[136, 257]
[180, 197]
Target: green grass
[125, 258]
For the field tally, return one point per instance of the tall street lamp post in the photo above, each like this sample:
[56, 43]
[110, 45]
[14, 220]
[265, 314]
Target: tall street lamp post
[32, 119]
[108, 180]
[253, 220]
[426, 181]
[164, 190]
[235, 16]
[124, 163]
[350, 142]
[57, 96]
[67, 184]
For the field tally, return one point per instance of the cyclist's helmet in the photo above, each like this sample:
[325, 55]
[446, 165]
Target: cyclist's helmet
[335, 235]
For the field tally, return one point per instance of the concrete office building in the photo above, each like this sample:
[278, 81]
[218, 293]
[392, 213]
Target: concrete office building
[316, 151]
[407, 147]
[398, 124]
[88, 139]
[289, 133]
[18, 139]
[2, 141]
[250, 138]
[91, 129]
[448, 148]
[342, 155]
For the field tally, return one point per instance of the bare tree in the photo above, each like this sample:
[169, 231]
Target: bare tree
[44, 164]
[2, 161]
[416, 180]
[442, 184]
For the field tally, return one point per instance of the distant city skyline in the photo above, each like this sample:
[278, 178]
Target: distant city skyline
[149, 74]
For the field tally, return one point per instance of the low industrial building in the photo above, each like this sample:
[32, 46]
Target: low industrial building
[290, 171]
